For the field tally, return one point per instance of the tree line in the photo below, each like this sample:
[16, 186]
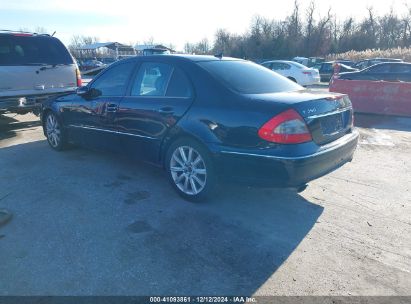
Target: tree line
[302, 34]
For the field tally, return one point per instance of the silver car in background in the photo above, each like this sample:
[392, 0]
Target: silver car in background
[294, 71]
[33, 67]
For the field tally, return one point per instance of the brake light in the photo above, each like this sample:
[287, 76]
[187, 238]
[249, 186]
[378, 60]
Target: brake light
[78, 78]
[332, 98]
[286, 128]
[307, 73]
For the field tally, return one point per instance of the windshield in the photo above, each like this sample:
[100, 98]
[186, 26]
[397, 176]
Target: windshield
[31, 50]
[249, 78]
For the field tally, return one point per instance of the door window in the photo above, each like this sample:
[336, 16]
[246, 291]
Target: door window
[114, 81]
[179, 85]
[267, 65]
[152, 79]
[285, 66]
[276, 66]
[401, 68]
[381, 68]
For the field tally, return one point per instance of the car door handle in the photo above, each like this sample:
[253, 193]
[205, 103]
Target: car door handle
[166, 110]
[112, 108]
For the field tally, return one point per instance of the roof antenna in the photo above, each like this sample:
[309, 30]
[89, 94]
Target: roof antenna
[219, 55]
[52, 35]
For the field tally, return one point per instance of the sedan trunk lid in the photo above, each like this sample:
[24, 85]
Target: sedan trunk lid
[328, 115]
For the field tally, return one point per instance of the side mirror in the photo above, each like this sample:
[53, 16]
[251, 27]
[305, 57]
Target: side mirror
[88, 93]
[82, 91]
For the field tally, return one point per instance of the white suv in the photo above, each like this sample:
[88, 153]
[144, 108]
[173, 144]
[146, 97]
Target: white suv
[33, 67]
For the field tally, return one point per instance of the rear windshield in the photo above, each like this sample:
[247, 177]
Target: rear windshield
[249, 78]
[298, 65]
[31, 50]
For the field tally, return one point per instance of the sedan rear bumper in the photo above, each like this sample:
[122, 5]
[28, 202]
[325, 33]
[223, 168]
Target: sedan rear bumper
[271, 170]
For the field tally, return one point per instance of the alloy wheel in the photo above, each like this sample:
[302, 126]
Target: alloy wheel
[53, 131]
[188, 170]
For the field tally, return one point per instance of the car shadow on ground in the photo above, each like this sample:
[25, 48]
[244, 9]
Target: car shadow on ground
[388, 122]
[9, 126]
[89, 223]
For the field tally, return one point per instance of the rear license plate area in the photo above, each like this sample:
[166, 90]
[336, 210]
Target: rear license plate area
[332, 124]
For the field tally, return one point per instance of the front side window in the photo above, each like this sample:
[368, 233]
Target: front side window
[114, 81]
[152, 79]
[247, 77]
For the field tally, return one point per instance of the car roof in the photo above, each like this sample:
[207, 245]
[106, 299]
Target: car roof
[390, 63]
[285, 61]
[182, 57]
[21, 33]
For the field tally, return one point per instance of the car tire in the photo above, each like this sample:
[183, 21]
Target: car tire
[292, 79]
[53, 129]
[191, 170]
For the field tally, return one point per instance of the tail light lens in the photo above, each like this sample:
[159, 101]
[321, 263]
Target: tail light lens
[78, 78]
[286, 128]
[307, 73]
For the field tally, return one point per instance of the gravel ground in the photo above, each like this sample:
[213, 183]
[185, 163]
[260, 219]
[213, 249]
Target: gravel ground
[88, 223]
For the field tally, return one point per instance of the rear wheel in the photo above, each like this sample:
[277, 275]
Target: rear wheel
[190, 170]
[54, 132]
[292, 79]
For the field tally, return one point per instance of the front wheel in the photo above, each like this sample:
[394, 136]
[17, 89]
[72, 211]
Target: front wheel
[190, 170]
[54, 132]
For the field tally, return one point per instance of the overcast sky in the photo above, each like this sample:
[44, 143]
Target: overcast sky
[167, 21]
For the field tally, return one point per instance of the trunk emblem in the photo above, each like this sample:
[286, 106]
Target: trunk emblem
[310, 111]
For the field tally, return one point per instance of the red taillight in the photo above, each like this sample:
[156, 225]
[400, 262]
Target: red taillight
[307, 73]
[78, 78]
[286, 128]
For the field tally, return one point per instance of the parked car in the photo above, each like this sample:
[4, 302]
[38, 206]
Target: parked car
[308, 62]
[91, 64]
[33, 67]
[348, 63]
[327, 70]
[393, 71]
[108, 60]
[363, 64]
[294, 71]
[203, 118]
[380, 89]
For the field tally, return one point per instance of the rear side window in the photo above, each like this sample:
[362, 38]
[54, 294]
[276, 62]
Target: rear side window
[267, 65]
[152, 79]
[380, 68]
[114, 81]
[179, 85]
[327, 67]
[401, 68]
[248, 78]
[299, 65]
[32, 50]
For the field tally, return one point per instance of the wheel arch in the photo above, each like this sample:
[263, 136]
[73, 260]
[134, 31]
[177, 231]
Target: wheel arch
[178, 133]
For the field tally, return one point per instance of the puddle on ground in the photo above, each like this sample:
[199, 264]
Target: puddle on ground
[376, 137]
[133, 198]
[139, 227]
